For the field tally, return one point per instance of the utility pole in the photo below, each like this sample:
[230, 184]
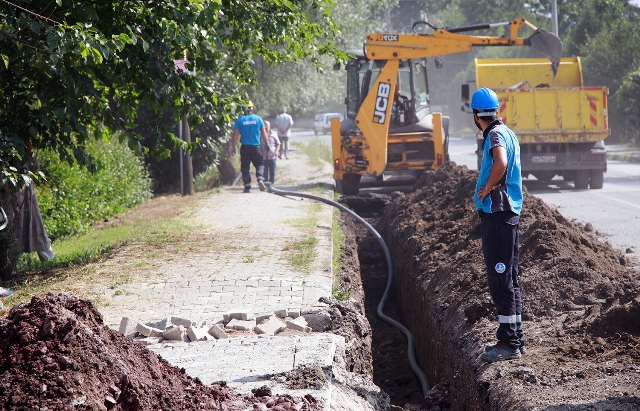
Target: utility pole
[554, 16]
[186, 165]
[187, 174]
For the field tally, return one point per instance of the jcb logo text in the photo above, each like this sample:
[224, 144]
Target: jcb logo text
[382, 101]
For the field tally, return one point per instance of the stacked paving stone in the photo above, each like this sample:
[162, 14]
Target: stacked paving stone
[180, 329]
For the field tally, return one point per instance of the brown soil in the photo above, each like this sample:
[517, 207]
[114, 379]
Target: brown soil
[55, 353]
[348, 317]
[581, 303]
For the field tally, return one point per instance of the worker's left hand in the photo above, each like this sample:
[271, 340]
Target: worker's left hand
[233, 151]
[484, 191]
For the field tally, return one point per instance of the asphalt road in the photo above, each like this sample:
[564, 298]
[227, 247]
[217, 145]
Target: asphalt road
[614, 211]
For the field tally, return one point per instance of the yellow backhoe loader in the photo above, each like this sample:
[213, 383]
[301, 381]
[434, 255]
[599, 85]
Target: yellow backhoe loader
[390, 132]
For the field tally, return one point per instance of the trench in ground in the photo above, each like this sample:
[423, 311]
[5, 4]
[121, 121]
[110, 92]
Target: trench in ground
[391, 370]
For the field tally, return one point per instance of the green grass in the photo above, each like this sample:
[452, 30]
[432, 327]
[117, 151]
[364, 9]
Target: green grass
[308, 223]
[84, 249]
[206, 180]
[339, 290]
[91, 246]
[317, 151]
[301, 254]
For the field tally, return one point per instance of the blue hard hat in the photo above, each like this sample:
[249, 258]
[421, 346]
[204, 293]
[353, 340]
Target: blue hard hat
[484, 99]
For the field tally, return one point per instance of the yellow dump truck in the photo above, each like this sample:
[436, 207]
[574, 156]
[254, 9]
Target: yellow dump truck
[561, 125]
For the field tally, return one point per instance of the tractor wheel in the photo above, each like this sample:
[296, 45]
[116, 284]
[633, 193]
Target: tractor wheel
[351, 184]
[581, 181]
[597, 179]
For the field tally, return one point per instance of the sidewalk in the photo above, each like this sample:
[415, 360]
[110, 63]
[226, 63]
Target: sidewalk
[249, 268]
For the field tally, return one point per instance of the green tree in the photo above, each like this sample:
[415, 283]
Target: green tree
[606, 34]
[73, 70]
[309, 85]
[628, 101]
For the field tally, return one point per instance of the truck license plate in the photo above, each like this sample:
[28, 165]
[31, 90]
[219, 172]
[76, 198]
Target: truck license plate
[543, 159]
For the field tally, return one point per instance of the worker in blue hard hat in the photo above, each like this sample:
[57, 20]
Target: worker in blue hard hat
[498, 199]
[250, 130]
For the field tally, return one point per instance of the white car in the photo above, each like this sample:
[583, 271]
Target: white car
[323, 122]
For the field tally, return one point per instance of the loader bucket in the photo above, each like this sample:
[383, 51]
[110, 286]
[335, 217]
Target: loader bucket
[549, 45]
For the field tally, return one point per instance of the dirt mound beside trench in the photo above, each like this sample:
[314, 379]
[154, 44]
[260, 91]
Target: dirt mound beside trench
[581, 299]
[56, 353]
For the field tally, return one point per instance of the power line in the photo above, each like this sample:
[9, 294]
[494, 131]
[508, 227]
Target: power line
[30, 12]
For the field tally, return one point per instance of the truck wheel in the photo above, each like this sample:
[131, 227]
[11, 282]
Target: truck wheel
[597, 179]
[581, 181]
[351, 184]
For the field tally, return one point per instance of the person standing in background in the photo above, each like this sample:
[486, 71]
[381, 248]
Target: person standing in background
[284, 122]
[270, 154]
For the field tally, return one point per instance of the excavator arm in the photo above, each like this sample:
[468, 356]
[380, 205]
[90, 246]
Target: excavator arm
[448, 41]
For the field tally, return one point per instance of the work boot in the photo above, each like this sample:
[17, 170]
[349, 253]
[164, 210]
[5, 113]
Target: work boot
[489, 347]
[501, 352]
[261, 185]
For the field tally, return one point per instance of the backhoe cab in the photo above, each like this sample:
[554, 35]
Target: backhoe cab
[390, 132]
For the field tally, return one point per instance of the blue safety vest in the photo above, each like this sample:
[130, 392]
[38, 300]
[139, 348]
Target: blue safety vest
[509, 195]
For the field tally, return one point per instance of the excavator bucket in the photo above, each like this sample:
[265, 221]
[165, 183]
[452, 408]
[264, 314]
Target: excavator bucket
[547, 44]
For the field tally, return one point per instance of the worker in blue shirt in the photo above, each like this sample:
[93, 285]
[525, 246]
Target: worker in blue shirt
[498, 199]
[250, 128]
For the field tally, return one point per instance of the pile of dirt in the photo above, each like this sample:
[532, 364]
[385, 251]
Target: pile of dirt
[55, 353]
[580, 295]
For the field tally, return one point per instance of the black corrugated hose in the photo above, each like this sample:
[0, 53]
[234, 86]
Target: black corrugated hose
[410, 340]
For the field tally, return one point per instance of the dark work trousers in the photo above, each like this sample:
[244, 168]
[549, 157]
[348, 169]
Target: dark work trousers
[500, 235]
[251, 155]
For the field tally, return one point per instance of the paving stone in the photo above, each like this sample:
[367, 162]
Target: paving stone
[148, 331]
[241, 325]
[174, 333]
[272, 326]
[185, 322]
[243, 314]
[198, 334]
[262, 317]
[162, 324]
[149, 340]
[127, 326]
[299, 324]
[217, 332]
[314, 309]
[293, 312]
